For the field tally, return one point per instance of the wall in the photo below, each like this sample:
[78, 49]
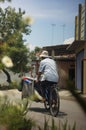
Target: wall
[79, 69]
[84, 71]
[63, 69]
[84, 77]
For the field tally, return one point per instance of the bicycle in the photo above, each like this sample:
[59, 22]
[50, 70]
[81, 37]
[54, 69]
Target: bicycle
[52, 102]
[52, 98]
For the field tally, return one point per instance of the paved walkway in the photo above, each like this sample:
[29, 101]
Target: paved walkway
[15, 96]
[66, 94]
[14, 93]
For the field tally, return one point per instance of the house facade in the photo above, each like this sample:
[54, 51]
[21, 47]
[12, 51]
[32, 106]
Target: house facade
[80, 22]
[80, 64]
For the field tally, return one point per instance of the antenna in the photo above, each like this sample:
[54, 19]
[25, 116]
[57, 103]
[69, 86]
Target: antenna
[63, 26]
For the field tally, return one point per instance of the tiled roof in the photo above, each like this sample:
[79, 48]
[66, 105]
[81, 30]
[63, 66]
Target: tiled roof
[76, 44]
[59, 49]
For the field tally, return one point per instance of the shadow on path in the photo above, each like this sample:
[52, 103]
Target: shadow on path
[44, 111]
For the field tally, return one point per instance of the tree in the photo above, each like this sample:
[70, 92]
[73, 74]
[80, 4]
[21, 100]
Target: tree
[5, 0]
[35, 53]
[12, 29]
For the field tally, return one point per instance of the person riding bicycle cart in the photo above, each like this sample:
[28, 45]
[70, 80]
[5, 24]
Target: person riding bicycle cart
[48, 70]
[45, 84]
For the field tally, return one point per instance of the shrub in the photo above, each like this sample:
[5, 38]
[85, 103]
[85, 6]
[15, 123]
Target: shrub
[12, 116]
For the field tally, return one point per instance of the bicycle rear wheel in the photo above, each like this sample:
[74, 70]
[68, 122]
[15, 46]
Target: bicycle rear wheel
[54, 102]
[46, 103]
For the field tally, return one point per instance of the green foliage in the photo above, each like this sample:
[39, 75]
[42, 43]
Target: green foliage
[5, 0]
[13, 85]
[12, 116]
[65, 126]
[12, 29]
[37, 49]
[46, 127]
[53, 127]
[62, 126]
[34, 52]
[20, 57]
[12, 25]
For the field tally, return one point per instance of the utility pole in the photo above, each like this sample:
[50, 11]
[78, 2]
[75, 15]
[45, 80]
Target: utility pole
[53, 25]
[63, 26]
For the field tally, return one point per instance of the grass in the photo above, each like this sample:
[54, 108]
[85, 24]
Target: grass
[61, 126]
[12, 116]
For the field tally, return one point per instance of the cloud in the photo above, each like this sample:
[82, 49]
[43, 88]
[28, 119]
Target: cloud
[50, 14]
[69, 40]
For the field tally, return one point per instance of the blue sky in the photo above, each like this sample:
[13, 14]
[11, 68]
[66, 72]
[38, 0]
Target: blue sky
[53, 20]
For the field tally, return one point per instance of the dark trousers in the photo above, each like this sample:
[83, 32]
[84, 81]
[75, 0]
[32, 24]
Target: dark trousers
[42, 85]
[46, 84]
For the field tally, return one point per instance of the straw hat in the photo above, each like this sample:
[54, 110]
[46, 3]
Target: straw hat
[44, 54]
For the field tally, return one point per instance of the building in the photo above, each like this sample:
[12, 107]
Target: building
[80, 64]
[65, 60]
[80, 23]
[80, 48]
[71, 58]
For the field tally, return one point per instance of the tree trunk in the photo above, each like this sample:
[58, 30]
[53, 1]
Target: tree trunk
[8, 75]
